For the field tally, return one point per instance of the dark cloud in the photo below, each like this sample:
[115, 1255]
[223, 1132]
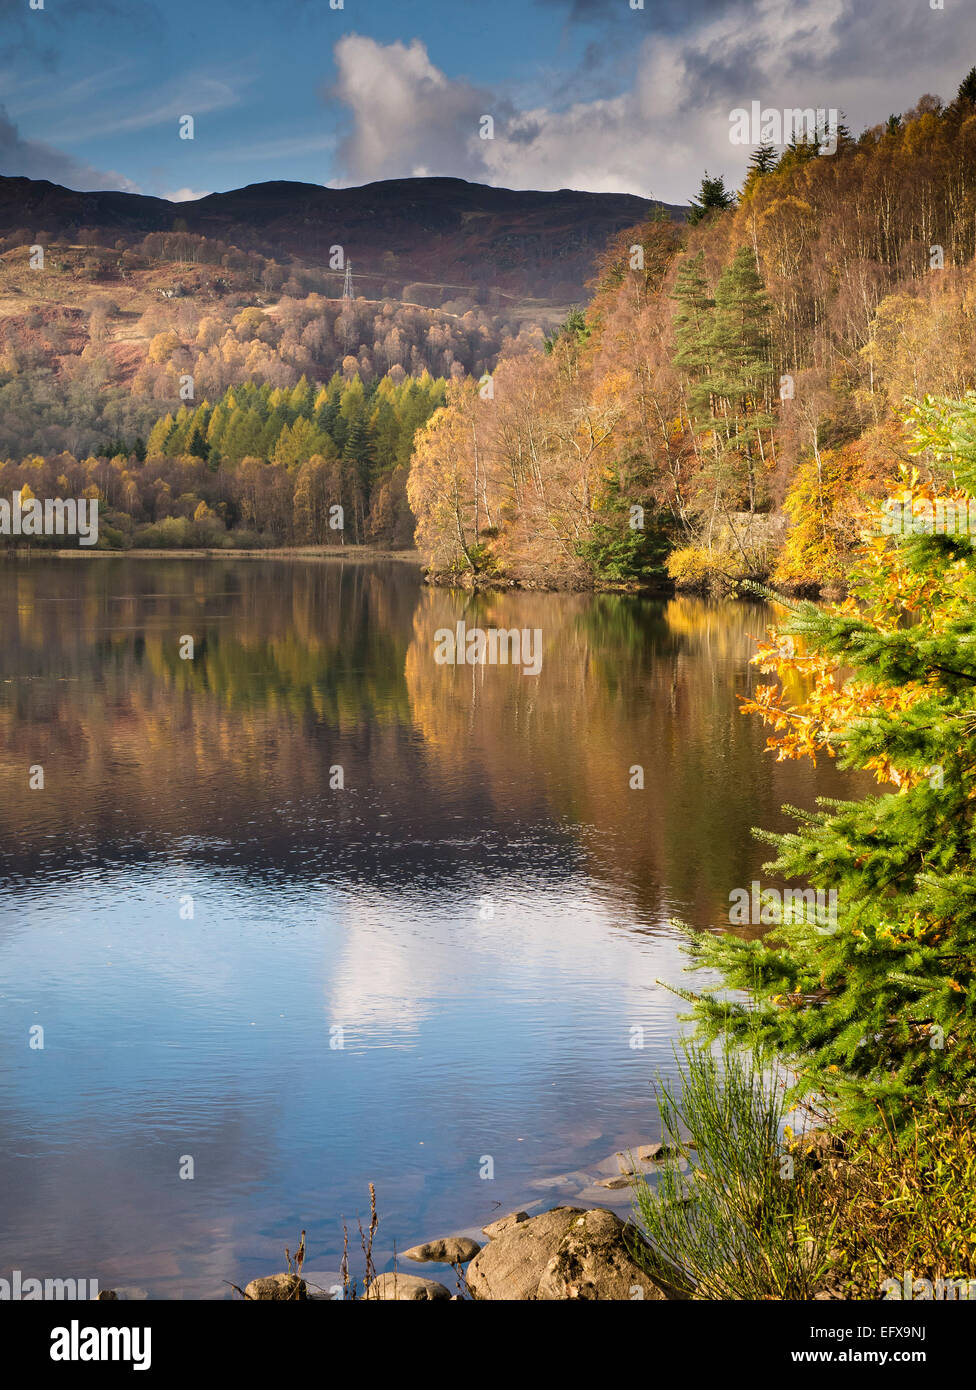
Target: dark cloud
[21, 158]
[524, 132]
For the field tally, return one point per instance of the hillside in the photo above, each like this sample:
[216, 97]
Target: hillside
[138, 306]
[741, 393]
[446, 234]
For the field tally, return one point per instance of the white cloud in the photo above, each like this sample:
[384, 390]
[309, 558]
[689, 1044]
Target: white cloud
[186, 195]
[670, 119]
[406, 114]
[194, 96]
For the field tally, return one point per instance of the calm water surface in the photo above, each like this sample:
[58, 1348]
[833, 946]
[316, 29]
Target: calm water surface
[480, 915]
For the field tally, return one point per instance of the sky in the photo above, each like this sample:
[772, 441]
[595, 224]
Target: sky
[627, 96]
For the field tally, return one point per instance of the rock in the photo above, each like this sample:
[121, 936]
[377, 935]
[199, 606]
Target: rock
[596, 1260]
[406, 1288]
[640, 1161]
[654, 1153]
[495, 1228]
[105, 1293]
[621, 1180]
[448, 1250]
[279, 1287]
[642, 1158]
[685, 1191]
[511, 1265]
[585, 1134]
[820, 1147]
[615, 1199]
[575, 1179]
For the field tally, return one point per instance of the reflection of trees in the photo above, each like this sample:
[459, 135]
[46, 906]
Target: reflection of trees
[299, 666]
[623, 682]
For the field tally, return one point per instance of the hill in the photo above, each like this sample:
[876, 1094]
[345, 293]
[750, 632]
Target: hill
[441, 235]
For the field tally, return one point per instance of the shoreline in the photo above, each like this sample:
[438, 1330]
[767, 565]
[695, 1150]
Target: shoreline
[367, 554]
[358, 553]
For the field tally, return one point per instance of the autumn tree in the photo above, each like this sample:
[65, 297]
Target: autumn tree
[871, 1001]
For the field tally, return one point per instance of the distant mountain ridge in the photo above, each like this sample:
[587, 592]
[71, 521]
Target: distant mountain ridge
[441, 231]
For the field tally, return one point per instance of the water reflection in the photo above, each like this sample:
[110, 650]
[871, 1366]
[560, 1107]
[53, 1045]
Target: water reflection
[441, 959]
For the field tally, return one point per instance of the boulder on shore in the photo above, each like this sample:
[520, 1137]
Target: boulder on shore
[279, 1287]
[598, 1259]
[447, 1250]
[496, 1228]
[406, 1288]
[511, 1265]
[641, 1159]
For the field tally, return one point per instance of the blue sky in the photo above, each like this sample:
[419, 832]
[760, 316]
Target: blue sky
[583, 93]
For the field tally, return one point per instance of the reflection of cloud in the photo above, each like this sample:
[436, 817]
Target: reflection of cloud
[404, 960]
[385, 975]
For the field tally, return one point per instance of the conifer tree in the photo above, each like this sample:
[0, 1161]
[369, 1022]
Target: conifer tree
[176, 442]
[738, 344]
[713, 196]
[242, 438]
[301, 399]
[723, 347]
[692, 324]
[217, 426]
[764, 158]
[159, 436]
[874, 1005]
[272, 430]
[197, 445]
[967, 88]
[357, 449]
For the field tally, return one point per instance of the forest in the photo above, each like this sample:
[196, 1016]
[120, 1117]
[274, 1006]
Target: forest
[208, 396]
[259, 467]
[736, 390]
[759, 400]
[98, 344]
